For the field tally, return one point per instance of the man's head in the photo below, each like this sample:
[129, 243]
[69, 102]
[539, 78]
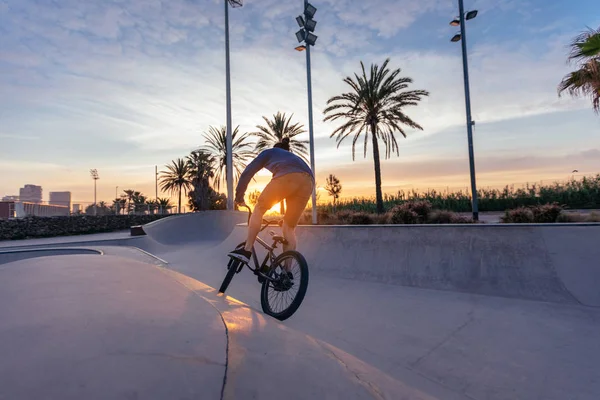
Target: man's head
[284, 144]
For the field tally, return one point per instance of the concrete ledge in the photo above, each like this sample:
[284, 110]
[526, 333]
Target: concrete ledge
[7, 256]
[137, 230]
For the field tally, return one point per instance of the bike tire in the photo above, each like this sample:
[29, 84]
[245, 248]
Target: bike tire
[293, 307]
[233, 266]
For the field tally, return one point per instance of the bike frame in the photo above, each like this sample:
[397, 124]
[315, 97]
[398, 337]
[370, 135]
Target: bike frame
[270, 250]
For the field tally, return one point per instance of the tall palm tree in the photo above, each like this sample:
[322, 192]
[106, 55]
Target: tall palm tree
[375, 105]
[278, 128]
[201, 170]
[216, 139]
[585, 52]
[176, 178]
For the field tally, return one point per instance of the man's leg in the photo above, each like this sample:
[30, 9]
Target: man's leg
[254, 226]
[271, 195]
[296, 205]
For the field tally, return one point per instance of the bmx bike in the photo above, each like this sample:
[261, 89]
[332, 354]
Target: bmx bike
[278, 286]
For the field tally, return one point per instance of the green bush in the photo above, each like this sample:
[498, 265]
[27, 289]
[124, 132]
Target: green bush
[403, 215]
[547, 213]
[521, 215]
[447, 217]
[583, 194]
[37, 227]
[361, 218]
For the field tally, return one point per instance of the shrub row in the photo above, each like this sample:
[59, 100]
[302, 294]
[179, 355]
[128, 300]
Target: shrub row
[414, 212]
[37, 227]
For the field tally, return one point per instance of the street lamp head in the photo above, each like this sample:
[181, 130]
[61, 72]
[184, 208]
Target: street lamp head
[311, 24]
[300, 35]
[310, 10]
[236, 3]
[455, 38]
[94, 173]
[455, 22]
[311, 39]
[300, 48]
[471, 14]
[300, 21]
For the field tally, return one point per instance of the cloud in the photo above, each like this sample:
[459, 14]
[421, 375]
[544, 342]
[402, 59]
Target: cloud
[137, 83]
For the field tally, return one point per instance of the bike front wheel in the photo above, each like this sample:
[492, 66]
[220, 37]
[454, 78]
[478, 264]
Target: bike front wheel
[280, 296]
[232, 267]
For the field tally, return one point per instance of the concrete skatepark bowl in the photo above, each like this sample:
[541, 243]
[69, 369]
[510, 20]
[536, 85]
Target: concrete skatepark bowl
[392, 312]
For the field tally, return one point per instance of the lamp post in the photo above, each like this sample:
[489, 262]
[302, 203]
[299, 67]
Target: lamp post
[117, 204]
[95, 177]
[229, 145]
[462, 36]
[305, 35]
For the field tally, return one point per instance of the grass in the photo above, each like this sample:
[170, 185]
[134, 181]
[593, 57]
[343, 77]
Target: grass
[580, 194]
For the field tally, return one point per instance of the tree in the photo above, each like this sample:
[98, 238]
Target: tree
[139, 202]
[278, 128]
[585, 81]
[102, 209]
[253, 197]
[164, 205]
[374, 105]
[176, 178]
[119, 204]
[217, 146]
[334, 188]
[128, 196]
[203, 196]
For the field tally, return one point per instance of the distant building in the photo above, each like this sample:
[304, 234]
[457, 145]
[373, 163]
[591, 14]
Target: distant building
[11, 209]
[31, 194]
[10, 198]
[60, 199]
[76, 208]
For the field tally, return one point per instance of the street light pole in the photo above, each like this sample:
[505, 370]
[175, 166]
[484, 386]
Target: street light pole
[94, 173]
[229, 144]
[311, 133]
[470, 122]
[308, 25]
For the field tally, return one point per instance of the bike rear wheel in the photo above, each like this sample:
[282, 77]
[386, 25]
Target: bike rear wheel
[232, 267]
[275, 294]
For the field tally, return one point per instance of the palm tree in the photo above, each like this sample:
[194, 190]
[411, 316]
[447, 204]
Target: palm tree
[278, 128]
[585, 51]
[375, 105]
[200, 164]
[164, 204]
[176, 178]
[217, 146]
[129, 193]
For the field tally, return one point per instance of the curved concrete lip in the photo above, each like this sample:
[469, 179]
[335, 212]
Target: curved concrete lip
[8, 256]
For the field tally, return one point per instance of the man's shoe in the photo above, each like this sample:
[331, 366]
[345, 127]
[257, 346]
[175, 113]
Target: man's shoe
[241, 255]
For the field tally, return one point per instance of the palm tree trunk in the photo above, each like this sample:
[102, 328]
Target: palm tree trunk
[179, 209]
[378, 194]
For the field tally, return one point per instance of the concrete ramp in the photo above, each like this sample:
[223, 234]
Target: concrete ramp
[82, 327]
[557, 263]
[198, 227]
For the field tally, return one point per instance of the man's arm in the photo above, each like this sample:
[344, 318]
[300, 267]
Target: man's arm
[256, 165]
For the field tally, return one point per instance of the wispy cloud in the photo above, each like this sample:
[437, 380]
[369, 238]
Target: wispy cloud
[136, 83]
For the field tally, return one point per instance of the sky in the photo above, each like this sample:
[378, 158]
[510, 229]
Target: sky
[125, 85]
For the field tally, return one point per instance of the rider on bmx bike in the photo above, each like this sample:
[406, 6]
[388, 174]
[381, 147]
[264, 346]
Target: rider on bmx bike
[292, 180]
